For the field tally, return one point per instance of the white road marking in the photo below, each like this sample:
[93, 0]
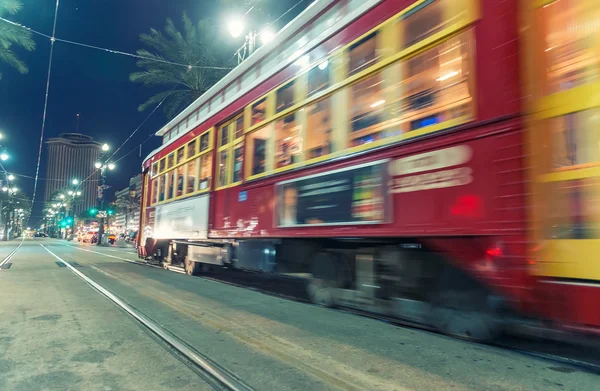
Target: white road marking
[223, 376]
[113, 256]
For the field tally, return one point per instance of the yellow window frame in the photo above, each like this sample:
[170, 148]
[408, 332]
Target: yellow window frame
[196, 142]
[232, 144]
[199, 156]
[410, 52]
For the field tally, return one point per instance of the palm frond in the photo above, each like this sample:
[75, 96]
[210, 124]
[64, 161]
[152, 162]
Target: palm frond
[10, 6]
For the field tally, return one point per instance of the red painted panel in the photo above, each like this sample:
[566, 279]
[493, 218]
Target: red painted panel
[492, 203]
[497, 62]
[570, 303]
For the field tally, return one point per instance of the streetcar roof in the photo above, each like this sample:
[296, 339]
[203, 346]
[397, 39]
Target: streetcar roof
[288, 31]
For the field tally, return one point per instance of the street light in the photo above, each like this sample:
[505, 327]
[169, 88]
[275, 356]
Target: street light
[111, 166]
[78, 193]
[98, 165]
[3, 156]
[75, 182]
[105, 147]
[11, 177]
[62, 196]
[70, 192]
[235, 26]
[267, 35]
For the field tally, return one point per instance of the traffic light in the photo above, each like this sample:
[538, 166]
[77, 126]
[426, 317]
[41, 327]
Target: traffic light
[63, 224]
[69, 220]
[93, 211]
[110, 212]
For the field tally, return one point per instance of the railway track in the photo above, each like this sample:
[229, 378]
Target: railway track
[218, 377]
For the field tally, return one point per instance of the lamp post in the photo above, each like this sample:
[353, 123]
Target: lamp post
[10, 190]
[103, 166]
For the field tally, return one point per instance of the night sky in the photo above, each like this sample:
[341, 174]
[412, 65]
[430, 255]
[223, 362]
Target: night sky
[92, 83]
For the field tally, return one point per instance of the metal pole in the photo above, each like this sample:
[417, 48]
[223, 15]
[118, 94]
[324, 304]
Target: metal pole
[101, 228]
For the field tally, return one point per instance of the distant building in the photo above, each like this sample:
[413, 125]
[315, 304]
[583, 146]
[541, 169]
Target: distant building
[72, 156]
[127, 201]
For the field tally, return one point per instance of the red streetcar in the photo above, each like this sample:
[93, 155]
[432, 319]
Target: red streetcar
[375, 148]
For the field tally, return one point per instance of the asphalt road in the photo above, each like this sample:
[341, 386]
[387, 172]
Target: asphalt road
[57, 332]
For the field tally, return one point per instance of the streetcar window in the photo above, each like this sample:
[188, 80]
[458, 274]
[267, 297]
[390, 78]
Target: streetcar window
[205, 171]
[204, 141]
[222, 165]
[180, 180]
[288, 141]
[367, 107]
[170, 160]
[192, 176]
[260, 156]
[167, 137]
[239, 127]
[318, 129]
[191, 148]
[223, 135]
[154, 169]
[362, 54]
[435, 86]
[162, 164]
[423, 21]
[161, 185]
[319, 78]
[285, 97]
[155, 190]
[259, 111]
[574, 140]
[567, 31]
[238, 163]
[170, 184]
[180, 155]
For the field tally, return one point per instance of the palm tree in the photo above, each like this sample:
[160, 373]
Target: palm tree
[196, 46]
[11, 35]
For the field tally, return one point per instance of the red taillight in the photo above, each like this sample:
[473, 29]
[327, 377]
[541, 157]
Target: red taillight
[494, 252]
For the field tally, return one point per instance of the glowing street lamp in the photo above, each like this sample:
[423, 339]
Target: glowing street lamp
[235, 24]
[98, 165]
[111, 166]
[267, 35]
[3, 156]
[75, 182]
[62, 196]
[105, 147]
[11, 177]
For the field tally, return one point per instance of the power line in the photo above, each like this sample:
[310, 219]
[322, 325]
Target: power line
[37, 169]
[55, 39]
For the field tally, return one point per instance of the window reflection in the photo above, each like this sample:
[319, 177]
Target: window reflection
[162, 165]
[170, 184]
[204, 141]
[285, 97]
[192, 176]
[180, 181]
[161, 193]
[318, 78]
[154, 169]
[154, 190]
[170, 160]
[569, 30]
[367, 105]
[318, 130]
[575, 138]
[238, 163]
[222, 176]
[205, 171]
[191, 151]
[288, 141]
[259, 111]
[423, 22]
[223, 135]
[362, 54]
[239, 127]
[258, 143]
[180, 154]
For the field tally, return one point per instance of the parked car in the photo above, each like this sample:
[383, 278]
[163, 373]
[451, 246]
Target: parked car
[89, 237]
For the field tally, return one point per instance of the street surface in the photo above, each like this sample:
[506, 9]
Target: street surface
[59, 333]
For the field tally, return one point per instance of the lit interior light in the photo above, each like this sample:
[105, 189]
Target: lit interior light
[323, 65]
[378, 103]
[447, 76]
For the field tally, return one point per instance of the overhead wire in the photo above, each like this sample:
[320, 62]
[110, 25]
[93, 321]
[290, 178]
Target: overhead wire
[52, 40]
[113, 51]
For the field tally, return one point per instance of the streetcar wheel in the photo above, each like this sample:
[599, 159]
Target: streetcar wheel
[470, 315]
[320, 292]
[191, 267]
[322, 285]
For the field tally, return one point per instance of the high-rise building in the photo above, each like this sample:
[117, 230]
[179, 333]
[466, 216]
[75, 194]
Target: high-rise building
[72, 156]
